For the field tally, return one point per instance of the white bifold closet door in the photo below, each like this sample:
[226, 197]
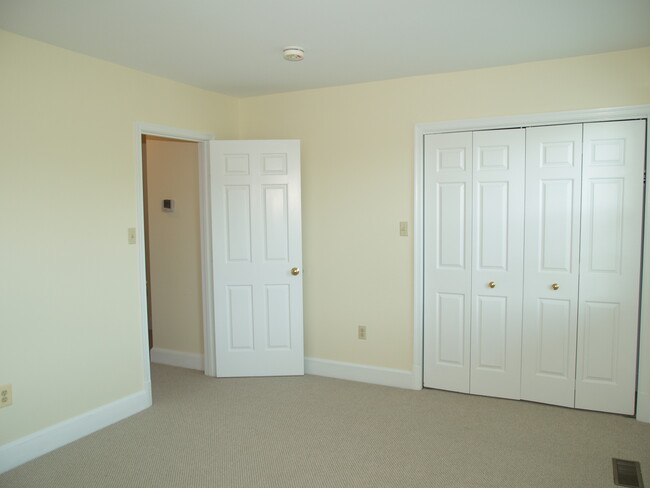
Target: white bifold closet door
[473, 261]
[553, 182]
[497, 262]
[532, 260]
[447, 260]
[610, 265]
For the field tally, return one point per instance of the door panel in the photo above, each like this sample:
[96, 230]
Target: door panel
[276, 222]
[491, 326]
[499, 168]
[278, 316]
[553, 183]
[240, 317]
[451, 225]
[237, 224]
[448, 192]
[600, 341]
[450, 339]
[256, 236]
[605, 219]
[610, 265]
[492, 225]
[554, 327]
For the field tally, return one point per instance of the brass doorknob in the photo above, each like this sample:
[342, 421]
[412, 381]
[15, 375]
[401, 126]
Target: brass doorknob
[295, 271]
[555, 286]
[492, 284]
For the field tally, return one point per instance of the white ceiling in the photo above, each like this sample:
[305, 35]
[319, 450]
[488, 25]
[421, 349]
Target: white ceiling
[234, 46]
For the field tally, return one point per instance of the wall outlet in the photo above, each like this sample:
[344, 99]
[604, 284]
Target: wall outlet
[362, 332]
[6, 397]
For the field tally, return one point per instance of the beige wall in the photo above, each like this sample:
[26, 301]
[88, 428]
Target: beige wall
[357, 166]
[69, 285]
[174, 245]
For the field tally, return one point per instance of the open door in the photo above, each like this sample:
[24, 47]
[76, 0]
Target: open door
[255, 217]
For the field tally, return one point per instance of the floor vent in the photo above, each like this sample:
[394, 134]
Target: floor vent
[627, 473]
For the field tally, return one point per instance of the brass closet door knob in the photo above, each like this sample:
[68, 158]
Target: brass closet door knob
[295, 271]
[555, 286]
[492, 284]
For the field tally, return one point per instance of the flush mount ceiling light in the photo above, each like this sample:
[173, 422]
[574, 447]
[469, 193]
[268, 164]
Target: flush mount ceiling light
[293, 53]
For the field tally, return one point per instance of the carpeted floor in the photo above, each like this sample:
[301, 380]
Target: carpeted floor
[319, 432]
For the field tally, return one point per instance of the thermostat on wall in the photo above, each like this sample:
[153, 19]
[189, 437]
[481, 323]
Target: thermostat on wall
[168, 205]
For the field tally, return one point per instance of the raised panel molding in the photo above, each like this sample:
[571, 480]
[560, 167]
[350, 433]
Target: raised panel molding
[236, 165]
[556, 225]
[451, 320]
[274, 164]
[554, 327]
[492, 329]
[557, 154]
[450, 159]
[240, 317]
[278, 317]
[492, 214]
[609, 152]
[493, 157]
[276, 222]
[238, 230]
[602, 321]
[605, 224]
[451, 225]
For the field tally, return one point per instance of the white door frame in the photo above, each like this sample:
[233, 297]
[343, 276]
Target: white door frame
[579, 116]
[142, 129]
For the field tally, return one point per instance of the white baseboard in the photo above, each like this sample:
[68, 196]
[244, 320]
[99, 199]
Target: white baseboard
[359, 372]
[180, 359]
[34, 445]
[643, 407]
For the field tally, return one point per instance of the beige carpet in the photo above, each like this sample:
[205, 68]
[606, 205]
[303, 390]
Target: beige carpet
[320, 432]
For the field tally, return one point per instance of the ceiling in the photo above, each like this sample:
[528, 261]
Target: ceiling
[235, 46]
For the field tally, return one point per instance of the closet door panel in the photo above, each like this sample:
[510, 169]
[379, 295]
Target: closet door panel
[499, 167]
[551, 276]
[447, 273]
[614, 160]
[491, 326]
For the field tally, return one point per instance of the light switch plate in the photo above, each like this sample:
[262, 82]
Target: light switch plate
[131, 235]
[404, 229]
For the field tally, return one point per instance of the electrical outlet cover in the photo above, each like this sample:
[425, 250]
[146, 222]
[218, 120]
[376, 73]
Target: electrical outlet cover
[6, 398]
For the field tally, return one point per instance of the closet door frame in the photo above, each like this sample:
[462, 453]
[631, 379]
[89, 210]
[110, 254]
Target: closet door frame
[570, 117]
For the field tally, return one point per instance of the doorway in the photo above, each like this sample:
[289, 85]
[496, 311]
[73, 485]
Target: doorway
[173, 257]
[175, 134]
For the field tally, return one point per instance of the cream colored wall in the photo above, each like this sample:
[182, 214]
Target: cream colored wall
[69, 286]
[174, 245]
[357, 166]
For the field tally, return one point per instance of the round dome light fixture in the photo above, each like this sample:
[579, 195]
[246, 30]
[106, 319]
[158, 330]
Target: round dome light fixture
[293, 53]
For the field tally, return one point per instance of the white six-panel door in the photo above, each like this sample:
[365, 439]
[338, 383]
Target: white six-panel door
[610, 253]
[447, 260]
[497, 262]
[256, 239]
[553, 182]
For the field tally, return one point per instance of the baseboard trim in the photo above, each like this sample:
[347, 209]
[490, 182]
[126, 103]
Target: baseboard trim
[180, 359]
[43, 441]
[359, 372]
[643, 407]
